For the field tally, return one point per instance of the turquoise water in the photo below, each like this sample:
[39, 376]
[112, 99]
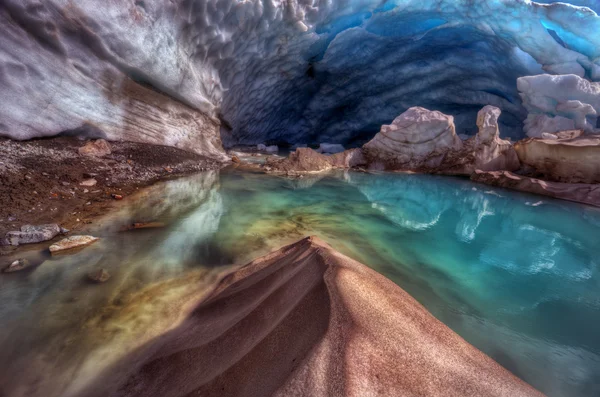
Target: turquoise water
[516, 275]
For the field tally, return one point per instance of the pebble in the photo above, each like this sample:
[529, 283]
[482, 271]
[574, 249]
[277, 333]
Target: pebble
[117, 196]
[99, 276]
[89, 182]
[17, 265]
[65, 183]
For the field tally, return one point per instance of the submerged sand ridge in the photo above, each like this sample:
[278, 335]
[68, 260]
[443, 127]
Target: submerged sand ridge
[306, 320]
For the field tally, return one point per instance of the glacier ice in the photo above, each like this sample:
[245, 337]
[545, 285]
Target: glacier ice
[558, 103]
[270, 70]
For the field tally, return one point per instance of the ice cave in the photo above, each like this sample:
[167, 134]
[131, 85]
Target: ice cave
[299, 198]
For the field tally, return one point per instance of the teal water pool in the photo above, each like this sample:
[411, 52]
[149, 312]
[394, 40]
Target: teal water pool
[516, 275]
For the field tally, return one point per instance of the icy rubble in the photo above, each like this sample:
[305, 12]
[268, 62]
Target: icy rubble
[335, 71]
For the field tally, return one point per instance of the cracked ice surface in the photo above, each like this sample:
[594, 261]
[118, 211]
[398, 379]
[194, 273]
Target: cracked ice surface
[300, 71]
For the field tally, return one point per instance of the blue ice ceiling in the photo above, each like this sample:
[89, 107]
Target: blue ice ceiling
[334, 71]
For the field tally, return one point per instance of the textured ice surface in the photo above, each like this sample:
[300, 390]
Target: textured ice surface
[558, 103]
[300, 71]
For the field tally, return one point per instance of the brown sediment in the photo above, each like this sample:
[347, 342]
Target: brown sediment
[40, 179]
[307, 321]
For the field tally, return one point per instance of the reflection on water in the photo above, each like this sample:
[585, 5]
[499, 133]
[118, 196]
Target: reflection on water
[516, 275]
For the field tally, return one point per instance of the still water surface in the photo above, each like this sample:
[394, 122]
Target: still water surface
[516, 275]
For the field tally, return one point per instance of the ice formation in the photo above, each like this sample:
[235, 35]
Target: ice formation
[271, 70]
[559, 103]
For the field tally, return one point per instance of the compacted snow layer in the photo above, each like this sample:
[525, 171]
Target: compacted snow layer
[297, 71]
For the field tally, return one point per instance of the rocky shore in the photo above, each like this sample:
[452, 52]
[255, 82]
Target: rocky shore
[361, 334]
[562, 165]
[56, 181]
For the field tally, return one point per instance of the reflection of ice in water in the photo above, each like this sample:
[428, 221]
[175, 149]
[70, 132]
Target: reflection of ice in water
[197, 227]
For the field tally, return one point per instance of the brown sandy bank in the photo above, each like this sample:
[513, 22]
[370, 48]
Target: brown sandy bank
[306, 320]
[40, 180]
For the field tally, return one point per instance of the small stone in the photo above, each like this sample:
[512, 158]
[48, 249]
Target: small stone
[97, 148]
[72, 242]
[45, 173]
[89, 182]
[116, 196]
[85, 190]
[17, 265]
[89, 175]
[27, 177]
[99, 276]
[235, 159]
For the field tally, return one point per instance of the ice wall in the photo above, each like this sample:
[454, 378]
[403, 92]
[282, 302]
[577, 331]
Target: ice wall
[299, 71]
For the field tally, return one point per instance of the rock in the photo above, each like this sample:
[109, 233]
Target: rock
[303, 160]
[348, 159]
[116, 196]
[492, 153]
[269, 149]
[291, 314]
[235, 159]
[575, 160]
[330, 148]
[89, 182]
[72, 242]
[99, 276]
[97, 148]
[417, 139]
[30, 234]
[17, 265]
[577, 192]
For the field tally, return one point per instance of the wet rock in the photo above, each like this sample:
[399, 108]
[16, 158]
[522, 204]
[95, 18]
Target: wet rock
[99, 276]
[568, 160]
[30, 234]
[577, 192]
[116, 196]
[17, 265]
[235, 159]
[97, 148]
[72, 242]
[89, 182]
[330, 148]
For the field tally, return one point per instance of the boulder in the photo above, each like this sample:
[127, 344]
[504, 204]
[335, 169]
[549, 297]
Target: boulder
[30, 234]
[569, 160]
[577, 192]
[97, 148]
[303, 160]
[330, 148]
[319, 324]
[71, 243]
[417, 139]
[17, 265]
